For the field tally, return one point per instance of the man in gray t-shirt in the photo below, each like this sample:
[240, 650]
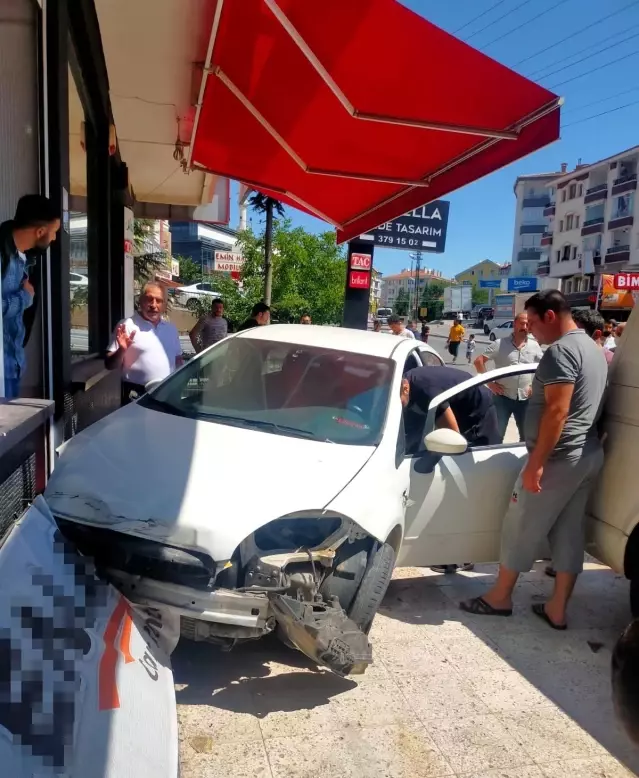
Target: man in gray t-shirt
[549, 498]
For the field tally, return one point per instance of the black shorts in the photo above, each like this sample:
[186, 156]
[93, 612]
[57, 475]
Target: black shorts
[453, 348]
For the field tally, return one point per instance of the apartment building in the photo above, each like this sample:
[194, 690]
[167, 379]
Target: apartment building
[392, 284]
[376, 290]
[593, 225]
[486, 270]
[534, 193]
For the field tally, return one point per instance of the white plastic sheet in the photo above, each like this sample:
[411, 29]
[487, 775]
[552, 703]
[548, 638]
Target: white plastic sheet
[86, 687]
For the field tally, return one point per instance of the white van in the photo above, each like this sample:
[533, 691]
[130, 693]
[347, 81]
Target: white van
[613, 513]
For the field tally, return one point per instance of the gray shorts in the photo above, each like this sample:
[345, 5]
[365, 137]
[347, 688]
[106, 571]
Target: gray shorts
[554, 516]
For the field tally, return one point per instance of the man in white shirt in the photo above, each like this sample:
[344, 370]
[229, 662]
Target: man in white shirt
[144, 347]
[397, 327]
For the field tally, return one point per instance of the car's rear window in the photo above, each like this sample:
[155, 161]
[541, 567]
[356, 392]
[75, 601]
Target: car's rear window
[282, 388]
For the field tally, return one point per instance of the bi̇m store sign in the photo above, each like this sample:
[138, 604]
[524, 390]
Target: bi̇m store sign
[423, 229]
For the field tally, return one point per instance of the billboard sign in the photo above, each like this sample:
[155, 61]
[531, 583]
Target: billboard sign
[626, 282]
[423, 229]
[227, 262]
[490, 283]
[523, 284]
[612, 297]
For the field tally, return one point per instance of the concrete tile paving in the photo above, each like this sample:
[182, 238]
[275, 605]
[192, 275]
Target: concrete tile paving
[449, 694]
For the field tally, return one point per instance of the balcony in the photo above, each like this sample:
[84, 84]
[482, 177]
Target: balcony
[546, 239]
[532, 229]
[595, 193]
[543, 268]
[549, 210]
[593, 226]
[623, 219]
[528, 255]
[536, 202]
[624, 184]
[619, 253]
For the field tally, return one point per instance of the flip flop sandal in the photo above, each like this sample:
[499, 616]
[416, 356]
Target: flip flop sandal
[539, 609]
[550, 571]
[479, 607]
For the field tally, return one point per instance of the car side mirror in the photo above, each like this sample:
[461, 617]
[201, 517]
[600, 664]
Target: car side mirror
[445, 441]
[152, 385]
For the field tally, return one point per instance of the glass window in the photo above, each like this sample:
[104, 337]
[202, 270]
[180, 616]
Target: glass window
[569, 221]
[563, 195]
[561, 225]
[580, 190]
[572, 191]
[284, 389]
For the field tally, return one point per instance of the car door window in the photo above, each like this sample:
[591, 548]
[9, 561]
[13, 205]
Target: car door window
[429, 358]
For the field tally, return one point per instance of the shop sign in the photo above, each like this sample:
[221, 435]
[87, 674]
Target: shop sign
[612, 297]
[522, 284]
[361, 261]
[359, 279]
[423, 229]
[228, 262]
[626, 281]
[490, 283]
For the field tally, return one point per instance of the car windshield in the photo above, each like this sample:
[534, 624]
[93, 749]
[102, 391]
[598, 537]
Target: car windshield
[282, 388]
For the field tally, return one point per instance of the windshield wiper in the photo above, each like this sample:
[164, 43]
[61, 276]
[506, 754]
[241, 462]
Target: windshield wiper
[261, 424]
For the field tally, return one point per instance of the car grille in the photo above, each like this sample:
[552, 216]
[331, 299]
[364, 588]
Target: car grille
[139, 556]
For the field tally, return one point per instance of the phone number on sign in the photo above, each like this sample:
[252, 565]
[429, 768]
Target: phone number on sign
[391, 240]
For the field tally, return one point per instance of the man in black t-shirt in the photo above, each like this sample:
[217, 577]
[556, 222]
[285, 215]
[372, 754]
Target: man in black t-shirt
[471, 413]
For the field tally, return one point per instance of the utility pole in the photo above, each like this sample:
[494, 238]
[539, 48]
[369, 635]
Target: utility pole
[417, 258]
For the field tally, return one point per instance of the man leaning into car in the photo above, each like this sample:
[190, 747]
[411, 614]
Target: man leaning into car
[144, 347]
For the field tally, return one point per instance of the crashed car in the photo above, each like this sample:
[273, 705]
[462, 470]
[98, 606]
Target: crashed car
[266, 486]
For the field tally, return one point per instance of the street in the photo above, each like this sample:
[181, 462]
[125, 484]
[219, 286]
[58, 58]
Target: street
[449, 694]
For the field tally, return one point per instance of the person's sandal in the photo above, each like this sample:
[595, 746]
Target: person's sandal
[550, 571]
[479, 607]
[539, 609]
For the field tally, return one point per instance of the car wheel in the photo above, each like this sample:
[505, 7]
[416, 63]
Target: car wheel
[492, 337]
[634, 597]
[192, 304]
[374, 585]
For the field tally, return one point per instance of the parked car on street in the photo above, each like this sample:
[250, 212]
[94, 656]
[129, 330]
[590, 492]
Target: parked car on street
[503, 330]
[266, 486]
[77, 281]
[189, 296]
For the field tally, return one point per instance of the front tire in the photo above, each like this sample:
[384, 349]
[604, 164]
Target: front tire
[191, 304]
[492, 337]
[634, 597]
[373, 587]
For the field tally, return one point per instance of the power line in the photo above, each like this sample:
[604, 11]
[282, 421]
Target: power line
[589, 56]
[523, 24]
[603, 113]
[602, 100]
[594, 70]
[536, 73]
[578, 32]
[499, 18]
[476, 18]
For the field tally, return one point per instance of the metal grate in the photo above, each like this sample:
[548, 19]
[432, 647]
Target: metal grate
[16, 492]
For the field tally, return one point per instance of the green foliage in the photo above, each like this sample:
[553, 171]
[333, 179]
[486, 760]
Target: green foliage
[308, 276]
[190, 272]
[480, 296]
[261, 202]
[432, 299]
[402, 302]
[79, 297]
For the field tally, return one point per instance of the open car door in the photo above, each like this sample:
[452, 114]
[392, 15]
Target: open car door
[86, 688]
[456, 504]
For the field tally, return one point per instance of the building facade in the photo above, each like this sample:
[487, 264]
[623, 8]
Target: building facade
[534, 194]
[486, 270]
[405, 280]
[199, 241]
[593, 226]
[376, 290]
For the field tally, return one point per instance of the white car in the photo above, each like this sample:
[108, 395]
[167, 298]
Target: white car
[189, 296]
[503, 330]
[76, 282]
[266, 485]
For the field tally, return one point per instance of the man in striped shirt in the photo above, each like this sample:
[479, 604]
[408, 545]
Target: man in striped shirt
[211, 328]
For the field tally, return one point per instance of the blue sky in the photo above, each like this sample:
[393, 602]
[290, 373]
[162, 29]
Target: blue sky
[482, 214]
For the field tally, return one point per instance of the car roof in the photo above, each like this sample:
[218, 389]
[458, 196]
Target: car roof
[376, 344]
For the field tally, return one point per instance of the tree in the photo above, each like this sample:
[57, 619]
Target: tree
[190, 272]
[480, 296]
[308, 276]
[268, 206]
[148, 257]
[401, 303]
[432, 299]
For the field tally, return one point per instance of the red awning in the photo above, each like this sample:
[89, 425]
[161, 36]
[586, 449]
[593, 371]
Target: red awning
[358, 111]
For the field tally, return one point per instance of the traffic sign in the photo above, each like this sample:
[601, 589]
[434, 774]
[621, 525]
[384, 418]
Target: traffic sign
[626, 281]
[423, 229]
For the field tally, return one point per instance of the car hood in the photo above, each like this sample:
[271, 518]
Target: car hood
[196, 484]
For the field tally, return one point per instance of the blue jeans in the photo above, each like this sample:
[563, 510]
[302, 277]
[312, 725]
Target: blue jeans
[11, 388]
[506, 407]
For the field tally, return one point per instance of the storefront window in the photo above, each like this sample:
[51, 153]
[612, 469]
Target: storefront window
[78, 223]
